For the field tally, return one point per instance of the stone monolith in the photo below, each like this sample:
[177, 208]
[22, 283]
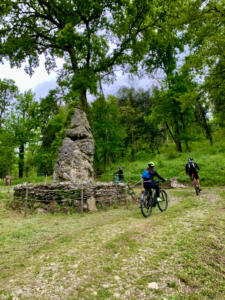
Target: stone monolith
[75, 159]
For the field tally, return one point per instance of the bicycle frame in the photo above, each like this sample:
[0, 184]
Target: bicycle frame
[148, 201]
[194, 181]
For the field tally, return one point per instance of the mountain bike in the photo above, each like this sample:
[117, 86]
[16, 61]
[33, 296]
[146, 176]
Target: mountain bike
[148, 201]
[197, 190]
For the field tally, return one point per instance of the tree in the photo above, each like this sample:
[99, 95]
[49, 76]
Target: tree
[206, 38]
[8, 91]
[134, 107]
[22, 123]
[174, 108]
[53, 115]
[92, 36]
[7, 154]
[50, 141]
[107, 130]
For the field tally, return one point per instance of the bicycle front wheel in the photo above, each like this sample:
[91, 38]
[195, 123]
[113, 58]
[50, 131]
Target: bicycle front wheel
[145, 204]
[162, 205]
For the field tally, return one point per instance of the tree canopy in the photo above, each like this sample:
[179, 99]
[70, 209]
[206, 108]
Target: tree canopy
[92, 36]
[183, 40]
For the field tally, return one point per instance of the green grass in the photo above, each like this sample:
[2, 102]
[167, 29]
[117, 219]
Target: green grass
[211, 160]
[116, 254]
[30, 179]
[169, 163]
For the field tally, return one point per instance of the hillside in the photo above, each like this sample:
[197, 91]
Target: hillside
[117, 254]
[169, 163]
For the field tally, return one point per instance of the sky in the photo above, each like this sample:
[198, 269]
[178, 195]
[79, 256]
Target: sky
[41, 82]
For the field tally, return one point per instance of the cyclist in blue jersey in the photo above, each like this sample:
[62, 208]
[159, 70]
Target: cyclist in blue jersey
[148, 179]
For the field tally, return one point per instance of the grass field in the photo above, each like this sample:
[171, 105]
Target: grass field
[117, 254]
[169, 163]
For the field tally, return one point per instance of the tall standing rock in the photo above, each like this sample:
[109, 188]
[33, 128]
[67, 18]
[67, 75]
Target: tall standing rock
[75, 158]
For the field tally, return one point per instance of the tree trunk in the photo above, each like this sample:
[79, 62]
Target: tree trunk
[184, 129]
[110, 162]
[27, 171]
[170, 132]
[21, 160]
[203, 122]
[178, 145]
[104, 160]
[167, 139]
[84, 101]
[132, 154]
[83, 95]
[176, 136]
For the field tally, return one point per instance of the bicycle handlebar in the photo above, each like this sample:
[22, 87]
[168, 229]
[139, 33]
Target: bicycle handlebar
[161, 181]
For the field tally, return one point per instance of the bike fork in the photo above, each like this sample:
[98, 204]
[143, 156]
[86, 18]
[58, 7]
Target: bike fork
[142, 197]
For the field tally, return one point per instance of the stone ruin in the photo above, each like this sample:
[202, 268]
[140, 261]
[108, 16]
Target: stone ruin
[75, 158]
[68, 197]
[73, 186]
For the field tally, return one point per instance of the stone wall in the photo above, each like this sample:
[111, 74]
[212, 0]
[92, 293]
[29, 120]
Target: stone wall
[67, 197]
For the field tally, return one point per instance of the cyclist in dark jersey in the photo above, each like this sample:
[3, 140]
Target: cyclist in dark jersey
[150, 183]
[119, 174]
[191, 170]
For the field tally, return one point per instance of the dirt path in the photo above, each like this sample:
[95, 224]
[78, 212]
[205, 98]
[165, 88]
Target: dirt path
[118, 254]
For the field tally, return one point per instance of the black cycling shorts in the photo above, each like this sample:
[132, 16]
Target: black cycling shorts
[152, 184]
[194, 175]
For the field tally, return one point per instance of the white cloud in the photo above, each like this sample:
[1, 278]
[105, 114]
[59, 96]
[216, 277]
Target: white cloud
[38, 81]
[41, 82]
[22, 79]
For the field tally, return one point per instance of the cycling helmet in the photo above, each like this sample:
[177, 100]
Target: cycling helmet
[120, 168]
[191, 159]
[151, 164]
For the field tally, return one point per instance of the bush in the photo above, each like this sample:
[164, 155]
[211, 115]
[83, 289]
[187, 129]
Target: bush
[171, 153]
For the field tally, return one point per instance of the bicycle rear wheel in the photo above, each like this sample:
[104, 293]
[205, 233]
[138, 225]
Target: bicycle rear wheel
[145, 204]
[197, 191]
[162, 205]
[196, 188]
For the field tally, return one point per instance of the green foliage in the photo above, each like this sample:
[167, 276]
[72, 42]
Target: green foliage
[134, 107]
[205, 35]
[107, 130]
[214, 86]
[170, 164]
[22, 124]
[175, 108]
[93, 37]
[7, 154]
[8, 91]
[31, 179]
[52, 132]
[82, 32]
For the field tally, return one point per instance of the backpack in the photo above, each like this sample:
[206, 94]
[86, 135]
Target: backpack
[146, 175]
[191, 166]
